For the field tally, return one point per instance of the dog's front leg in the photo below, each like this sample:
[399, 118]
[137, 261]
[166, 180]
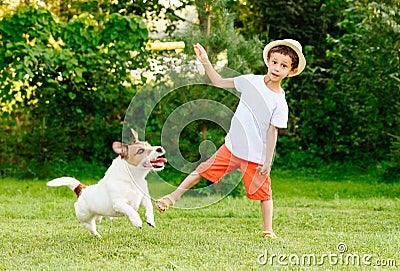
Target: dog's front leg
[148, 206]
[122, 207]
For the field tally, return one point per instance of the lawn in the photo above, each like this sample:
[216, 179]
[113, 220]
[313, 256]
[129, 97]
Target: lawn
[323, 223]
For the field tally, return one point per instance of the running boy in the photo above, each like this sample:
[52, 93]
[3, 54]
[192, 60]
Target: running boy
[250, 142]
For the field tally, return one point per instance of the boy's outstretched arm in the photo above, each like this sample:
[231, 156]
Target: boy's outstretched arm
[272, 136]
[215, 78]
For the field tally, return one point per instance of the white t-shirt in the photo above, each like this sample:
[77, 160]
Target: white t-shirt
[258, 108]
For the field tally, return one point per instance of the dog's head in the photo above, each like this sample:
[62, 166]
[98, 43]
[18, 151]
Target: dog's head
[141, 154]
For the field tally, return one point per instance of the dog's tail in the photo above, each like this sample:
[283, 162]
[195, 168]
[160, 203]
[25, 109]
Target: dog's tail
[72, 183]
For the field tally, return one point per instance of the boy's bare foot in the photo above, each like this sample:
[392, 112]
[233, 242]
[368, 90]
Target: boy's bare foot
[164, 203]
[268, 234]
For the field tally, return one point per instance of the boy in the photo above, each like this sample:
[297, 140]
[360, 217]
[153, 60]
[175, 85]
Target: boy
[250, 142]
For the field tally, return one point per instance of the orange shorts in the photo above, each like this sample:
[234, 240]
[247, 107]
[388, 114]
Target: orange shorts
[258, 187]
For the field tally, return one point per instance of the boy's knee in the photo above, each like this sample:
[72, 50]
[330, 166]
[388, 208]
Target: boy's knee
[195, 174]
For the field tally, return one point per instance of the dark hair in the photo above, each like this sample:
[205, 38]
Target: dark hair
[287, 51]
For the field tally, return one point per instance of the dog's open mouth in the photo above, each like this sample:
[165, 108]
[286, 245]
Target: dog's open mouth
[157, 163]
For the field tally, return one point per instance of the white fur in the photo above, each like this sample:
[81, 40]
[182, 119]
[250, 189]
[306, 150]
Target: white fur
[64, 181]
[119, 193]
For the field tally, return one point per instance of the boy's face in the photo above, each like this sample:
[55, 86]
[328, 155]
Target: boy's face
[279, 66]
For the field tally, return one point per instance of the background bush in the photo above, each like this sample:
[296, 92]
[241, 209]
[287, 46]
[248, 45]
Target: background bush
[67, 86]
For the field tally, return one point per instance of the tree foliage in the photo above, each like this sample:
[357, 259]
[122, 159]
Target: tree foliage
[365, 71]
[356, 107]
[147, 9]
[65, 85]
[70, 71]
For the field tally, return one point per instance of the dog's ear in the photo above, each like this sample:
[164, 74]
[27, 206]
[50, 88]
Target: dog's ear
[120, 148]
[135, 136]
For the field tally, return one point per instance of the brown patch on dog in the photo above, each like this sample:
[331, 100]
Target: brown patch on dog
[137, 152]
[78, 189]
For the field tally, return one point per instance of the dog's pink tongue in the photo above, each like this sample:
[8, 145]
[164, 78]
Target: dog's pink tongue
[161, 160]
[158, 163]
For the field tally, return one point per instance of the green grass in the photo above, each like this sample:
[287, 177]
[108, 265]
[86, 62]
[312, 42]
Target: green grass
[312, 216]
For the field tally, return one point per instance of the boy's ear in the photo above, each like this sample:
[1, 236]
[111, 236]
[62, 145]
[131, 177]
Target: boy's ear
[293, 71]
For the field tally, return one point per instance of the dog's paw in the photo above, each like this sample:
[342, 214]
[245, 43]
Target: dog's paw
[150, 219]
[138, 224]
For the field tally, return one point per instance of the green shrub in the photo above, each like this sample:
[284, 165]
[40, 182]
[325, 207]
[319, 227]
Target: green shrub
[67, 86]
[392, 172]
[346, 111]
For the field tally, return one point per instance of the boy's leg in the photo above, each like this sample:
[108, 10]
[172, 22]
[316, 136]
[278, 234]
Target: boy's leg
[213, 170]
[258, 187]
[267, 207]
[191, 180]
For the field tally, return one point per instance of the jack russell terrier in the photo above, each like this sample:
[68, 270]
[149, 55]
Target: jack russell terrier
[122, 189]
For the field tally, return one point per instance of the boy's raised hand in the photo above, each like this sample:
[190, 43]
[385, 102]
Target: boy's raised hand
[200, 53]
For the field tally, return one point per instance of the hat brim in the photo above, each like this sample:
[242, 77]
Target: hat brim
[302, 59]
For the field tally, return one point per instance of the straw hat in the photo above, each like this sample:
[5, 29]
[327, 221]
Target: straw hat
[295, 45]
